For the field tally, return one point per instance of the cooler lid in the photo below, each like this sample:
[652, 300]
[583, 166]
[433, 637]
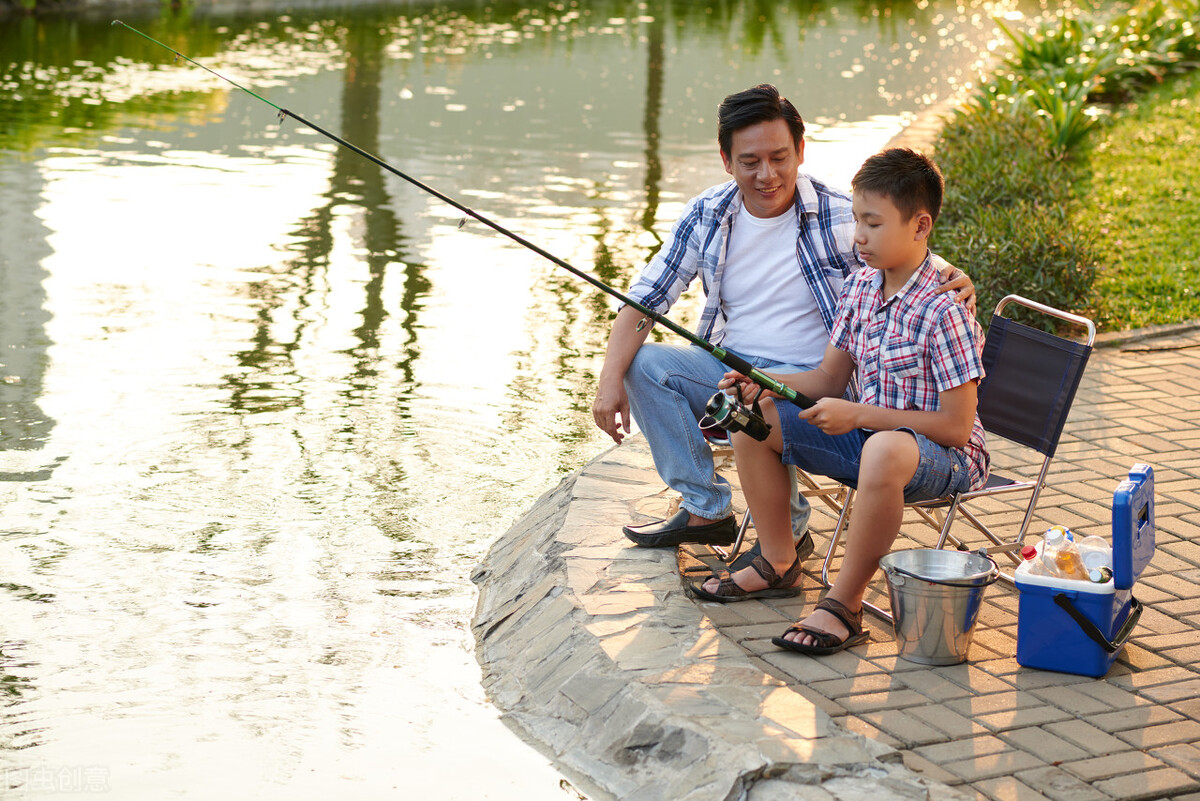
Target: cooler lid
[1133, 526]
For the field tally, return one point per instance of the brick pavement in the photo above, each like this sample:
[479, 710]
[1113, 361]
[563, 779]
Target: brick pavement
[1003, 732]
[592, 650]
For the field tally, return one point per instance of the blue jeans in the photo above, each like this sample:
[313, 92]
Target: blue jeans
[668, 387]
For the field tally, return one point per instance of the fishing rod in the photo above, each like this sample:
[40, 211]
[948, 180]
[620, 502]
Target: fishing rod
[725, 357]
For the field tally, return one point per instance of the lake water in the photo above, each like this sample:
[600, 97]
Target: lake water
[264, 405]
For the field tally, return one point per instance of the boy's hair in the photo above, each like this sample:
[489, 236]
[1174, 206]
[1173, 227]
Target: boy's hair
[909, 179]
[752, 106]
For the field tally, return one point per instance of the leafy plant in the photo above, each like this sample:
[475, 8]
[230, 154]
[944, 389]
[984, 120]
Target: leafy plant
[1065, 67]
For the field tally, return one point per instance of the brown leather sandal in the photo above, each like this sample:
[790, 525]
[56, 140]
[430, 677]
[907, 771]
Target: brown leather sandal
[777, 586]
[827, 643]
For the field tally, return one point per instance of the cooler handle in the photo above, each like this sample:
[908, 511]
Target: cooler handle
[1089, 628]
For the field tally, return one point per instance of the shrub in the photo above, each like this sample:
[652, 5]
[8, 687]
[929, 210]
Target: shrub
[1027, 249]
[1006, 217]
[994, 156]
[1014, 153]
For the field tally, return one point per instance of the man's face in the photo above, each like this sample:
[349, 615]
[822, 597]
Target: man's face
[764, 161]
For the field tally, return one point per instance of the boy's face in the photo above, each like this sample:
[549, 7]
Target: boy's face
[764, 161]
[884, 239]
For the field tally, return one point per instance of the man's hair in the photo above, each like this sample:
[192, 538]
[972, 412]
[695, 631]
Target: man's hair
[909, 179]
[752, 106]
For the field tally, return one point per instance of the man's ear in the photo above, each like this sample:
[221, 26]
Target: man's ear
[727, 162]
[924, 226]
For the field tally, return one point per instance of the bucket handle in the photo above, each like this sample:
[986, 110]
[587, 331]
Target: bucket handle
[1097, 636]
[993, 574]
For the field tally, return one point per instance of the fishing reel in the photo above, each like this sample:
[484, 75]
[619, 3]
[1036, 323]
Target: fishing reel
[733, 415]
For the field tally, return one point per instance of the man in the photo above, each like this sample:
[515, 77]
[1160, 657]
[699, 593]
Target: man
[772, 248]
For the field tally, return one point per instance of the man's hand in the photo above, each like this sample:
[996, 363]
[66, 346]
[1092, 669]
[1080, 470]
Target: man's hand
[955, 279]
[610, 410]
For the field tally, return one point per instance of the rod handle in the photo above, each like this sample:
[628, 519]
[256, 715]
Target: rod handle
[763, 380]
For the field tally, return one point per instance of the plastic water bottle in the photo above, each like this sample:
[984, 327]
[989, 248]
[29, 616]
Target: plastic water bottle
[1095, 552]
[1060, 556]
[1032, 556]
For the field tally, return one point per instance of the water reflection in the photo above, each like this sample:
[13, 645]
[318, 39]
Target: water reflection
[24, 426]
[356, 189]
[269, 403]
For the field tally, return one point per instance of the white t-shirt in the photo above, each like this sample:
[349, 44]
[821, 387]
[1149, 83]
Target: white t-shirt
[769, 309]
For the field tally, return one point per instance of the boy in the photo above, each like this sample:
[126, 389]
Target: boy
[914, 434]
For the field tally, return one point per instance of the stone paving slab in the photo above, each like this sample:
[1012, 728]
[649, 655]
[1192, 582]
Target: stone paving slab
[592, 650]
[595, 654]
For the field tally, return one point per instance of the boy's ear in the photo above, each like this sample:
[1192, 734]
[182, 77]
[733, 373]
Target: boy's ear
[924, 226]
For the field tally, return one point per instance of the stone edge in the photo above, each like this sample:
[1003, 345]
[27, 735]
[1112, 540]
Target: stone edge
[596, 657]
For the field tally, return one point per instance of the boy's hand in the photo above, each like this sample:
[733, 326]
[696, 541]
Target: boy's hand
[748, 386]
[832, 415]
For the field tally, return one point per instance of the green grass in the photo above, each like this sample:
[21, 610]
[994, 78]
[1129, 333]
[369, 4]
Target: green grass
[1142, 200]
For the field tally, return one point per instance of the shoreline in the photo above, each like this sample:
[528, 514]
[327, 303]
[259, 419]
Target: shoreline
[595, 655]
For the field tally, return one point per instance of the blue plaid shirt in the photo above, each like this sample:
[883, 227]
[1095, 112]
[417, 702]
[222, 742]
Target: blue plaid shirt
[910, 347]
[699, 241]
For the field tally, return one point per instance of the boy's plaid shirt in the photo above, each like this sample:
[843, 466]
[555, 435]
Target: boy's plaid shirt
[910, 347]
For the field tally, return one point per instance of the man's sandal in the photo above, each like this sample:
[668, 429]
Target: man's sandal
[777, 586]
[827, 643]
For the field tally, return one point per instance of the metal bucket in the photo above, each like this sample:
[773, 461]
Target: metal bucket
[936, 595]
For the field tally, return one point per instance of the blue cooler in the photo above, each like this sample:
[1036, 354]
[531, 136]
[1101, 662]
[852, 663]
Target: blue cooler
[1073, 626]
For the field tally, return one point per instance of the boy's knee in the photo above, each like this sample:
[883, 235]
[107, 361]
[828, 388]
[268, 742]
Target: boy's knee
[770, 412]
[889, 457]
[753, 451]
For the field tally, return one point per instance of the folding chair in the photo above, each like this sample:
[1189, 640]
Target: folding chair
[1026, 394]
[833, 496]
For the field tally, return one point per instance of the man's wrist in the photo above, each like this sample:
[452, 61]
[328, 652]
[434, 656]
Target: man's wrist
[607, 378]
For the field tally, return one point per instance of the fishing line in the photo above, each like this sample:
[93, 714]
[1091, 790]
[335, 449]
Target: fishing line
[722, 355]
